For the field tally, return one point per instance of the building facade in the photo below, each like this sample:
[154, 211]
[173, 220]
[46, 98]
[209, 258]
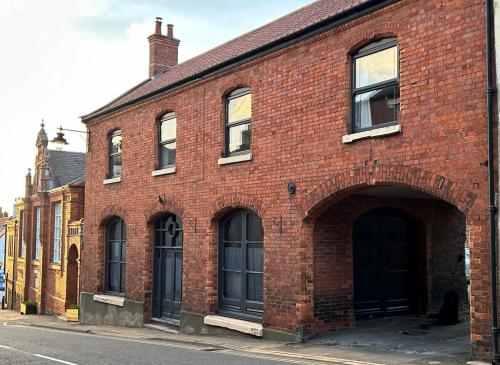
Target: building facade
[322, 169]
[44, 236]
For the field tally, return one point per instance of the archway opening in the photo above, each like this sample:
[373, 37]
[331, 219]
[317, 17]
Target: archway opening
[394, 253]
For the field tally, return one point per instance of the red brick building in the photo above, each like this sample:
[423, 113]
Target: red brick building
[44, 236]
[324, 168]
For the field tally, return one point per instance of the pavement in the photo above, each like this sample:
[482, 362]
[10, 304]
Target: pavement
[405, 340]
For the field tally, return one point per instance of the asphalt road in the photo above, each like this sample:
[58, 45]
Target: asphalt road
[31, 345]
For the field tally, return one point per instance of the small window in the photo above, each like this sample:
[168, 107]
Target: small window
[116, 246]
[115, 154]
[167, 135]
[375, 86]
[38, 243]
[57, 233]
[238, 121]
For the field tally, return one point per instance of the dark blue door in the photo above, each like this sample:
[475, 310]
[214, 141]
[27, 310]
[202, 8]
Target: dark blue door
[167, 268]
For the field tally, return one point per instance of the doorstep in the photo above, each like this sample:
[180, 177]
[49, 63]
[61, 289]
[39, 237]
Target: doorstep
[234, 324]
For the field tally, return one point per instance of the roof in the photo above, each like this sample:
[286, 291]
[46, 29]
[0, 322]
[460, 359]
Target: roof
[267, 35]
[65, 168]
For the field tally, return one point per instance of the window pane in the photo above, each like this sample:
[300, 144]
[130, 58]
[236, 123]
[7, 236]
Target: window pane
[377, 107]
[116, 143]
[168, 153]
[239, 138]
[168, 129]
[114, 251]
[114, 277]
[116, 165]
[114, 230]
[377, 67]
[123, 277]
[239, 109]
[255, 287]
[254, 228]
[232, 285]
[232, 229]
[232, 257]
[255, 257]
[124, 251]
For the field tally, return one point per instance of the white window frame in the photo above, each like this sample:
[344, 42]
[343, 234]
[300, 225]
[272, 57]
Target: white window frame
[57, 233]
[38, 243]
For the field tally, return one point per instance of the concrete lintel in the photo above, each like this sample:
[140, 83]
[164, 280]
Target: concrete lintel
[110, 299]
[113, 180]
[377, 132]
[234, 159]
[165, 171]
[234, 324]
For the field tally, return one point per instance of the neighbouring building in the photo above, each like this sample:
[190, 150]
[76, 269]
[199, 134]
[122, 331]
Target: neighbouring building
[324, 168]
[44, 236]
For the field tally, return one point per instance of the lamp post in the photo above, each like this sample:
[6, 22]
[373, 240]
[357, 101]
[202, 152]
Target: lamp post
[61, 141]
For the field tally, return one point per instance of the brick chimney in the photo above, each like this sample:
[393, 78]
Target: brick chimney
[163, 50]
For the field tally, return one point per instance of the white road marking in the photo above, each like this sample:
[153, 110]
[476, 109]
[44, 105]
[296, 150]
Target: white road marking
[54, 359]
[38, 355]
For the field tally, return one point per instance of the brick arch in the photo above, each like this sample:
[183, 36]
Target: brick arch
[112, 211]
[367, 35]
[228, 202]
[158, 208]
[348, 181]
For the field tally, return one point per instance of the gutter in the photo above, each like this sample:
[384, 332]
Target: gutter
[302, 35]
[490, 93]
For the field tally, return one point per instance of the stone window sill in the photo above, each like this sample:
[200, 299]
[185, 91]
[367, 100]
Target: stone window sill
[113, 180]
[165, 171]
[55, 266]
[376, 132]
[234, 324]
[235, 159]
[110, 299]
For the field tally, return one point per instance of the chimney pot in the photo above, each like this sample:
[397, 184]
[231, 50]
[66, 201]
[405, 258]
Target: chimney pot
[170, 30]
[158, 25]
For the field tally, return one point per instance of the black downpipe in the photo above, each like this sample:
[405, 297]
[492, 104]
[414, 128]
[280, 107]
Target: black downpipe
[491, 177]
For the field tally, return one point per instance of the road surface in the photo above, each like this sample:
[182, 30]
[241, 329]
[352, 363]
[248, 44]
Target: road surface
[32, 345]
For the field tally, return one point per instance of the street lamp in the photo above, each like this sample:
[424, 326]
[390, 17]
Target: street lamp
[59, 138]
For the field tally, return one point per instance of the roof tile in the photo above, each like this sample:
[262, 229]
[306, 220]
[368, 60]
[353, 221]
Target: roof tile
[271, 32]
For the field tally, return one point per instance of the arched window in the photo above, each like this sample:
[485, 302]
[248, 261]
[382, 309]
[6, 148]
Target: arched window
[241, 265]
[238, 122]
[375, 85]
[115, 153]
[116, 255]
[167, 135]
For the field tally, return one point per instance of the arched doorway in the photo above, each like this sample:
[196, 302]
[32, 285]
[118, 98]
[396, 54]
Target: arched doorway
[167, 267]
[241, 266]
[384, 263]
[72, 277]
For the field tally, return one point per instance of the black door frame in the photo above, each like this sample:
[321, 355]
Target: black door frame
[172, 272]
[258, 307]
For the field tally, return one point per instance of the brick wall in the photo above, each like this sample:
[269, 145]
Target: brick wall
[300, 111]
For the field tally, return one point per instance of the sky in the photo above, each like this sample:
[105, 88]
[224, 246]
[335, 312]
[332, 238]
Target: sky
[61, 59]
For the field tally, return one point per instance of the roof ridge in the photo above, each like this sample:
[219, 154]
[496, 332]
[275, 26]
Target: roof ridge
[301, 20]
[246, 33]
